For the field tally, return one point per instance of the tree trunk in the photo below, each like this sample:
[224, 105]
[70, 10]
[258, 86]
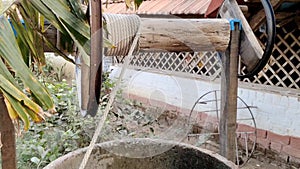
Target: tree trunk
[8, 150]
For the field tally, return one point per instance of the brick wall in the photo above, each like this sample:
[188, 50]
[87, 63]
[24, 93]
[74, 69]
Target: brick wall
[277, 112]
[287, 148]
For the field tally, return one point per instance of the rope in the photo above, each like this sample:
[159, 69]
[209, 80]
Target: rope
[111, 99]
[121, 30]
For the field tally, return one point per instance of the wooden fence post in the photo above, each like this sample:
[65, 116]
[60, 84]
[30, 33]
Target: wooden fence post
[8, 149]
[229, 86]
[96, 57]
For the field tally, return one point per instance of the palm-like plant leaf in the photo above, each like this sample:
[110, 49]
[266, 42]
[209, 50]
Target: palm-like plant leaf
[16, 52]
[59, 13]
[15, 106]
[4, 5]
[11, 54]
[7, 75]
[63, 11]
[28, 41]
[28, 38]
[32, 27]
[10, 89]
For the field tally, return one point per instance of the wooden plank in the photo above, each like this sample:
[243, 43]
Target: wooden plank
[284, 15]
[260, 16]
[250, 50]
[184, 34]
[179, 35]
[229, 85]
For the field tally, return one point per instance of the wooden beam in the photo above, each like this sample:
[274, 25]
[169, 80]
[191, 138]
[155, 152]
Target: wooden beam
[95, 69]
[297, 19]
[184, 34]
[229, 85]
[284, 15]
[250, 50]
[177, 35]
[244, 9]
[260, 16]
[283, 18]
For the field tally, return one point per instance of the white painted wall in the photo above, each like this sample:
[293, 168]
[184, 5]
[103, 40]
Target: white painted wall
[275, 112]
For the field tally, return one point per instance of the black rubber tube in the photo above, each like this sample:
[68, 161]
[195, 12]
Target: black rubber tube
[271, 34]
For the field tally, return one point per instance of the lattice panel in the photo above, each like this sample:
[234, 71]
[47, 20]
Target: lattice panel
[200, 63]
[283, 69]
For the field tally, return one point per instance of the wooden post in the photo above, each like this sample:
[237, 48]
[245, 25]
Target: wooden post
[229, 85]
[96, 57]
[8, 150]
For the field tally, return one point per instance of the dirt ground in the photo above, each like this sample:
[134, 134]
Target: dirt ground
[132, 119]
[260, 162]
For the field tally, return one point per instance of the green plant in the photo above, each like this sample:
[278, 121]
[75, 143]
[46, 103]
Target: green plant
[64, 132]
[60, 133]
[25, 45]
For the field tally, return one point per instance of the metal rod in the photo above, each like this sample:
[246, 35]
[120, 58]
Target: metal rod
[207, 101]
[245, 119]
[237, 152]
[217, 106]
[199, 134]
[246, 144]
[246, 107]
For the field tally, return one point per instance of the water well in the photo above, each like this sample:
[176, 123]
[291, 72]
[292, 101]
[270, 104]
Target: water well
[143, 154]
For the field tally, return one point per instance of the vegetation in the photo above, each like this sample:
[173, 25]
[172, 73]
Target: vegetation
[67, 130]
[22, 50]
[27, 18]
[59, 134]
